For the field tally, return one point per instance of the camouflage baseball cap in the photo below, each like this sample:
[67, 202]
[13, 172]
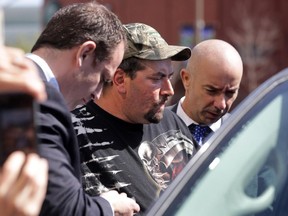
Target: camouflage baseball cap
[145, 42]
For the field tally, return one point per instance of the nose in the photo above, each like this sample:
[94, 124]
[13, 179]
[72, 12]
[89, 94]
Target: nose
[220, 102]
[166, 88]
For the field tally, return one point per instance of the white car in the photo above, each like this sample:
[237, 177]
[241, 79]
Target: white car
[243, 167]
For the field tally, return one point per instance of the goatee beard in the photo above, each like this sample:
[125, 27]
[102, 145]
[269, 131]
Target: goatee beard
[154, 116]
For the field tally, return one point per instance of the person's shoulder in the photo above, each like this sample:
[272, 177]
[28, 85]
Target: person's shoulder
[55, 100]
[171, 119]
[88, 113]
[173, 107]
[79, 110]
[169, 113]
[78, 115]
[84, 109]
[170, 116]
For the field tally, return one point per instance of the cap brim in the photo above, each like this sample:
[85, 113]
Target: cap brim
[179, 53]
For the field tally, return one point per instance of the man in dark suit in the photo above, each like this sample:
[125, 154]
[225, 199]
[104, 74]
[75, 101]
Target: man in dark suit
[81, 46]
[211, 81]
[23, 176]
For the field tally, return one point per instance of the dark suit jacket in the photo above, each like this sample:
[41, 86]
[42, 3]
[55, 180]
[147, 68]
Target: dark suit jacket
[58, 144]
[173, 107]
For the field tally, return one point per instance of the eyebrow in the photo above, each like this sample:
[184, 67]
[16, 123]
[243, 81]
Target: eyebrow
[229, 89]
[163, 73]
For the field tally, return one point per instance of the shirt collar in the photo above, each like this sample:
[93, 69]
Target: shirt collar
[50, 77]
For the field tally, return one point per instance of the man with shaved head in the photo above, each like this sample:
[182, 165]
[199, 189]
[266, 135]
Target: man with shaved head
[211, 81]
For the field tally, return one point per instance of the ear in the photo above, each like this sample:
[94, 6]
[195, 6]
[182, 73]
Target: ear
[84, 52]
[119, 80]
[186, 77]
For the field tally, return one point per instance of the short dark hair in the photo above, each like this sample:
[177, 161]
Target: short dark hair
[74, 24]
[131, 65]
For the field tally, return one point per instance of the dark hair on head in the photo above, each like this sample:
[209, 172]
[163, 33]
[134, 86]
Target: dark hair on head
[77, 23]
[131, 65]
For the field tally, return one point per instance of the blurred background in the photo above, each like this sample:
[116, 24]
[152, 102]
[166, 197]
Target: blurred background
[258, 29]
[22, 22]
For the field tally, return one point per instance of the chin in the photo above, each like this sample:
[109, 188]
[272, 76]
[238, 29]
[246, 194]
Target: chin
[211, 120]
[156, 118]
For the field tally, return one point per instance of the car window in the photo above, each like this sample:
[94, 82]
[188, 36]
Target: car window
[247, 173]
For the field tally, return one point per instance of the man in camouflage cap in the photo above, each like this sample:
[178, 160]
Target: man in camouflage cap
[128, 140]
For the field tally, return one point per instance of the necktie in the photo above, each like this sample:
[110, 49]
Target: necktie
[199, 132]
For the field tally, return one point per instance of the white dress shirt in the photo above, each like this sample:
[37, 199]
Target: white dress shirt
[50, 77]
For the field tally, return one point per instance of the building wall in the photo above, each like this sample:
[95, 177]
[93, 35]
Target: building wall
[167, 16]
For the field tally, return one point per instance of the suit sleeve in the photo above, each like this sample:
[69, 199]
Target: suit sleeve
[57, 143]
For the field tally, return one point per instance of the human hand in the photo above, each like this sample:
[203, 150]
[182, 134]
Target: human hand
[19, 74]
[122, 205]
[23, 184]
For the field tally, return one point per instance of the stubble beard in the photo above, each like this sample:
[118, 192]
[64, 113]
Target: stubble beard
[155, 115]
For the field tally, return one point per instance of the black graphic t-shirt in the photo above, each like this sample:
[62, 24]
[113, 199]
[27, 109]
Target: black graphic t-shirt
[140, 160]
